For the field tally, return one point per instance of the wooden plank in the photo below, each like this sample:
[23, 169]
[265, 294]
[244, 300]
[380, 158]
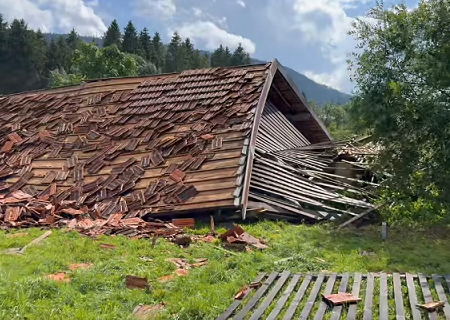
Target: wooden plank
[254, 300]
[337, 310]
[427, 295]
[412, 297]
[441, 294]
[328, 290]
[312, 297]
[298, 297]
[231, 309]
[284, 298]
[268, 300]
[369, 297]
[359, 216]
[384, 307]
[398, 297]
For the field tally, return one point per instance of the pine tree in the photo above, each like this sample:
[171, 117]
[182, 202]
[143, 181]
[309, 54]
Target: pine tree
[240, 57]
[172, 55]
[38, 58]
[199, 60]
[112, 35]
[226, 59]
[158, 58]
[217, 57]
[185, 55]
[64, 57]
[130, 42]
[145, 44]
[73, 41]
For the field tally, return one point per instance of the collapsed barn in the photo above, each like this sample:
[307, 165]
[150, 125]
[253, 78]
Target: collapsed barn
[238, 140]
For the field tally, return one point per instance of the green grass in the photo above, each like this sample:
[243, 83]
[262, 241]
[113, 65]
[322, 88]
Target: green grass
[100, 292]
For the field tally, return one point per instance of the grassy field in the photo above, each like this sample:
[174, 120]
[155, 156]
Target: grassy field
[100, 293]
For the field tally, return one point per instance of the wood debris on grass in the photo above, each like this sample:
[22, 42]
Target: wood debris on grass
[133, 282]
[241, 294]
[146, 312]
[431, 306]
[34, 242]
[185, 264]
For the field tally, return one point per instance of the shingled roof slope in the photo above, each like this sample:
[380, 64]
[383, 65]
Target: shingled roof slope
[165, 143]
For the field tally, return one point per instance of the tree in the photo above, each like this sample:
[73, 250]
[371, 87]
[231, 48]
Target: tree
[199, 60]
[172, 63]
[113, 36]
[240, 57]
[130, 42]
[73, 40]
[402, 75]
[221, 57]
[158, 58]
[145, 44]
[185, 55]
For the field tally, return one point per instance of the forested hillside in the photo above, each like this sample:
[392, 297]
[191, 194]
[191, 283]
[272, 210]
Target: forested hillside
[33, 60]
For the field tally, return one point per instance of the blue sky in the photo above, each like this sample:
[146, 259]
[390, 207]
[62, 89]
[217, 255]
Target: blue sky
[309, 36]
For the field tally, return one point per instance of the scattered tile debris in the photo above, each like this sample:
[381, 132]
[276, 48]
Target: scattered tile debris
[59, 277]
[146, 312]
[237, 235]
[241, 294]
[184, 223]
[185, 264]
[341, 298]
[133, 282]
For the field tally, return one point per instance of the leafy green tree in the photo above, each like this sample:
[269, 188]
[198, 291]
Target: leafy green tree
[240, 57]
[337, 120]
[173, 49]
[130, 42]
[113, 36]
[158, 58]
[91, 62]
[402, 75]
[60, 78]
[145, 45]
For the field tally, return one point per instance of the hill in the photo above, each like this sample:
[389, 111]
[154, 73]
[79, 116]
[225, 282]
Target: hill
[313, 91]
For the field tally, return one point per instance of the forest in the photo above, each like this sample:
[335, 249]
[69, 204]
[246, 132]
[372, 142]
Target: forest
[33, 60]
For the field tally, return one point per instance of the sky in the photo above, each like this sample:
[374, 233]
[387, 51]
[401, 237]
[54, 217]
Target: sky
[309, 36]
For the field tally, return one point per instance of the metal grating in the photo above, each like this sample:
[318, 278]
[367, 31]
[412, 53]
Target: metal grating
[384, 296]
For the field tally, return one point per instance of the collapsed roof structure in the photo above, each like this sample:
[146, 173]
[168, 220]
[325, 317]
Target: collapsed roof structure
[232, 139]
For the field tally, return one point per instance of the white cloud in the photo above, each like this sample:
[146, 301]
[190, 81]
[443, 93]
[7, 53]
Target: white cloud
[93, 3]
[211, 36]
[165, 9]
[322, 23]
[241, 3]
[55, 15]
[197, 12]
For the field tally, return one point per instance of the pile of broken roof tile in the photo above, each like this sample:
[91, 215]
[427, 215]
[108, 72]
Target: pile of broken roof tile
[22, 210]
[167, 143]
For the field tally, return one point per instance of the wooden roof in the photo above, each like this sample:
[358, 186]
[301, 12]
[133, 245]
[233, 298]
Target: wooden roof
[157, 144]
